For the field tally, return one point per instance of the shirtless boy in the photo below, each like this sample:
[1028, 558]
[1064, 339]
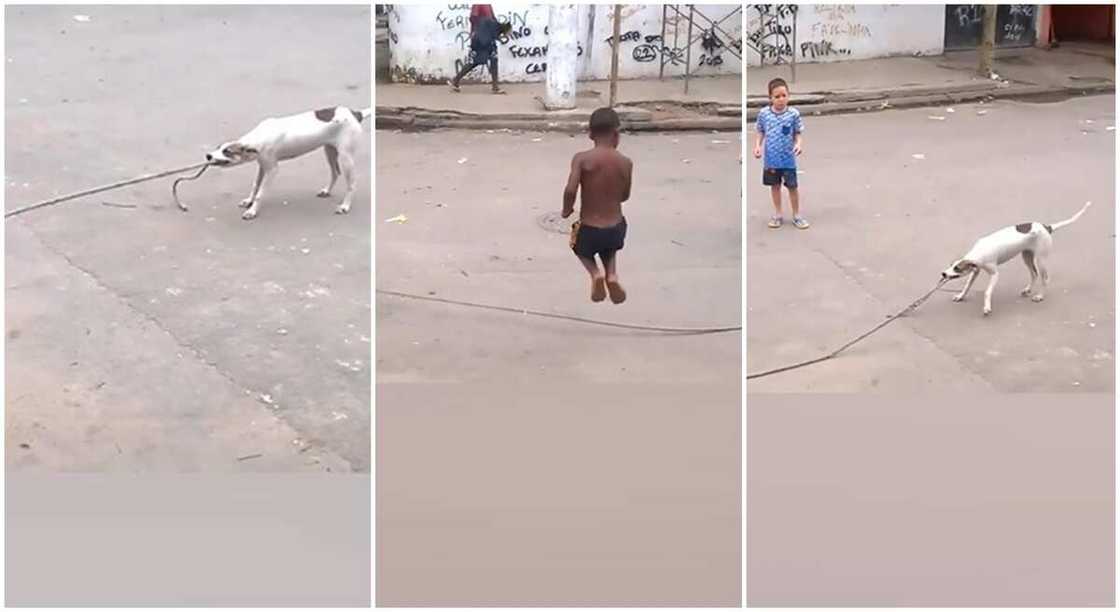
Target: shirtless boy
[603, 175]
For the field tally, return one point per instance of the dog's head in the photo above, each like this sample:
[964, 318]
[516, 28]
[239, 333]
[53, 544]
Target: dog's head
[959, 268]
[231, 154]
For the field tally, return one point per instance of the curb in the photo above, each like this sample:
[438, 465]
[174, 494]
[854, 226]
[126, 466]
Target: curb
[860, 103]
[638, 120]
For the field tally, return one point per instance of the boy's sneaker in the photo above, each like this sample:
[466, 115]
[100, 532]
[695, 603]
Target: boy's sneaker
[775, 223]
[800, 223]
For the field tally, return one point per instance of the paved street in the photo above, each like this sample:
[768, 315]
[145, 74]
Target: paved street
[529, 461]
[472, 233]
[885, 223]
[140, 338]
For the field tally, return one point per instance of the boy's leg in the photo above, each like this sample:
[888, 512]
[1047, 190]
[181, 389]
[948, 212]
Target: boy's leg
[610, 262]
[598, 289]
[494, 72]
[468, 65]
[795, 200]
[776, 198]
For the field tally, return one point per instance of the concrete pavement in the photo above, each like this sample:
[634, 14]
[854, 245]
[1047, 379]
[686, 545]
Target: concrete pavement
[143, 339]
[885, 223]
[1070, 70]
[713, 103]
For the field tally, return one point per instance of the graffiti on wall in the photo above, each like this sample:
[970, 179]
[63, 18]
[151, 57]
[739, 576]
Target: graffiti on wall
[645, 48]
[440, 34]
[830, 30]
[770, 31]
[1019, 25]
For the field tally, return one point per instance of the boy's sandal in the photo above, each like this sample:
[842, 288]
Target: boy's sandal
[775, 223]
[800, 223]
[453, 86]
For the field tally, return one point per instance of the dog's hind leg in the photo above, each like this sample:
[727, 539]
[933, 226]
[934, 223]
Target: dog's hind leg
[1044, 275]
[346, 165]
[1029, 260]
[332, 161]
[967, 285]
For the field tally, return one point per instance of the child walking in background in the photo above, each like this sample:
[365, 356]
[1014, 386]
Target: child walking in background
[778, 136]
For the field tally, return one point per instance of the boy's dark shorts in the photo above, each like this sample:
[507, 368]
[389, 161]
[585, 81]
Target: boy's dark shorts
[778, 176]
[602, 241]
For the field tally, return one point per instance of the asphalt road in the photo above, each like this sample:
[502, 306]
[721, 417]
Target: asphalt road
[140, 338]
[528, 461]
[886, 223]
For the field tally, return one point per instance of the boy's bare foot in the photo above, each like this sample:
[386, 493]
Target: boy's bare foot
[618, 294]
[598, 289]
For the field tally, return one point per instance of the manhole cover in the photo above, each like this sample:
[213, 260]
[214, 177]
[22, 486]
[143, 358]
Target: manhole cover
[553, 222]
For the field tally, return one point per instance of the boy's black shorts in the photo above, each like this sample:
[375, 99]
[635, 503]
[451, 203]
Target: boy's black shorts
[588, 241]
[777, 176]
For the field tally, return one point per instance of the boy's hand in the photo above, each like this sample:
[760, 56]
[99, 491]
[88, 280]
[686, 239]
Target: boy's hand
[797, 148]
[757, 151]
[567, 212]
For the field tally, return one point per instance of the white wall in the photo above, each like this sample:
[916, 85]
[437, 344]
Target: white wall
[839, 32]
[425, 41]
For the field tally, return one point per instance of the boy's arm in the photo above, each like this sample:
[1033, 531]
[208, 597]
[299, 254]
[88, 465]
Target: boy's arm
[572, 188]
[797, 129]
[629, 179]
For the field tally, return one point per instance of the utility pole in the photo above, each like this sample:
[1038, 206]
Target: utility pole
[562, 57]
[614, 52]
[987, 40]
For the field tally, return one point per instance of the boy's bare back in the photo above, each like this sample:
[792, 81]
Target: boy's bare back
[604, 182]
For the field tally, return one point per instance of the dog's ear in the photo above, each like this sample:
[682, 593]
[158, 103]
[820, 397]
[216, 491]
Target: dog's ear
[963, 265]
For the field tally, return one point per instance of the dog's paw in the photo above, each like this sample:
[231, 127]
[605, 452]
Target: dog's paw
[342, 209]
[246, 203]
[249, 215]
[324, 193]
[987, 311]
[1037, 298]
[1025, 292]
[958, 298]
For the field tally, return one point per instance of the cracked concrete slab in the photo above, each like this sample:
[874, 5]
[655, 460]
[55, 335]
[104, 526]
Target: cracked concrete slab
[804, 320]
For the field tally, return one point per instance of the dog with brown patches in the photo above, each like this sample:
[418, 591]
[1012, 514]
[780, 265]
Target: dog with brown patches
[1032, 241]
[337, 130]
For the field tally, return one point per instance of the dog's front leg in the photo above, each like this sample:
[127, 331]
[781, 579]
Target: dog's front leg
[967, 285]
[266, 174]
[247, 202]
[994, 274]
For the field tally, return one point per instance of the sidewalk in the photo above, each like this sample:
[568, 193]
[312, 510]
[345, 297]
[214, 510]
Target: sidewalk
[713, 103]
[1072, 69]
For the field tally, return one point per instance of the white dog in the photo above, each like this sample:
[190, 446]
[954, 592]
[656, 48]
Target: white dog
[337, 130]
[1031, 240]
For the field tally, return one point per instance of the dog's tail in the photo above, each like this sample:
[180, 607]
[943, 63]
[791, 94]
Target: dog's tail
[1055, 227]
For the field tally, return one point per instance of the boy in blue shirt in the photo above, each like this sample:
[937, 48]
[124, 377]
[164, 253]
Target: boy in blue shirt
[778, 129]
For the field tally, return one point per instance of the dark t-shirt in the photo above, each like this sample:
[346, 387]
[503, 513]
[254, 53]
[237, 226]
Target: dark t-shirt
[485, 34]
